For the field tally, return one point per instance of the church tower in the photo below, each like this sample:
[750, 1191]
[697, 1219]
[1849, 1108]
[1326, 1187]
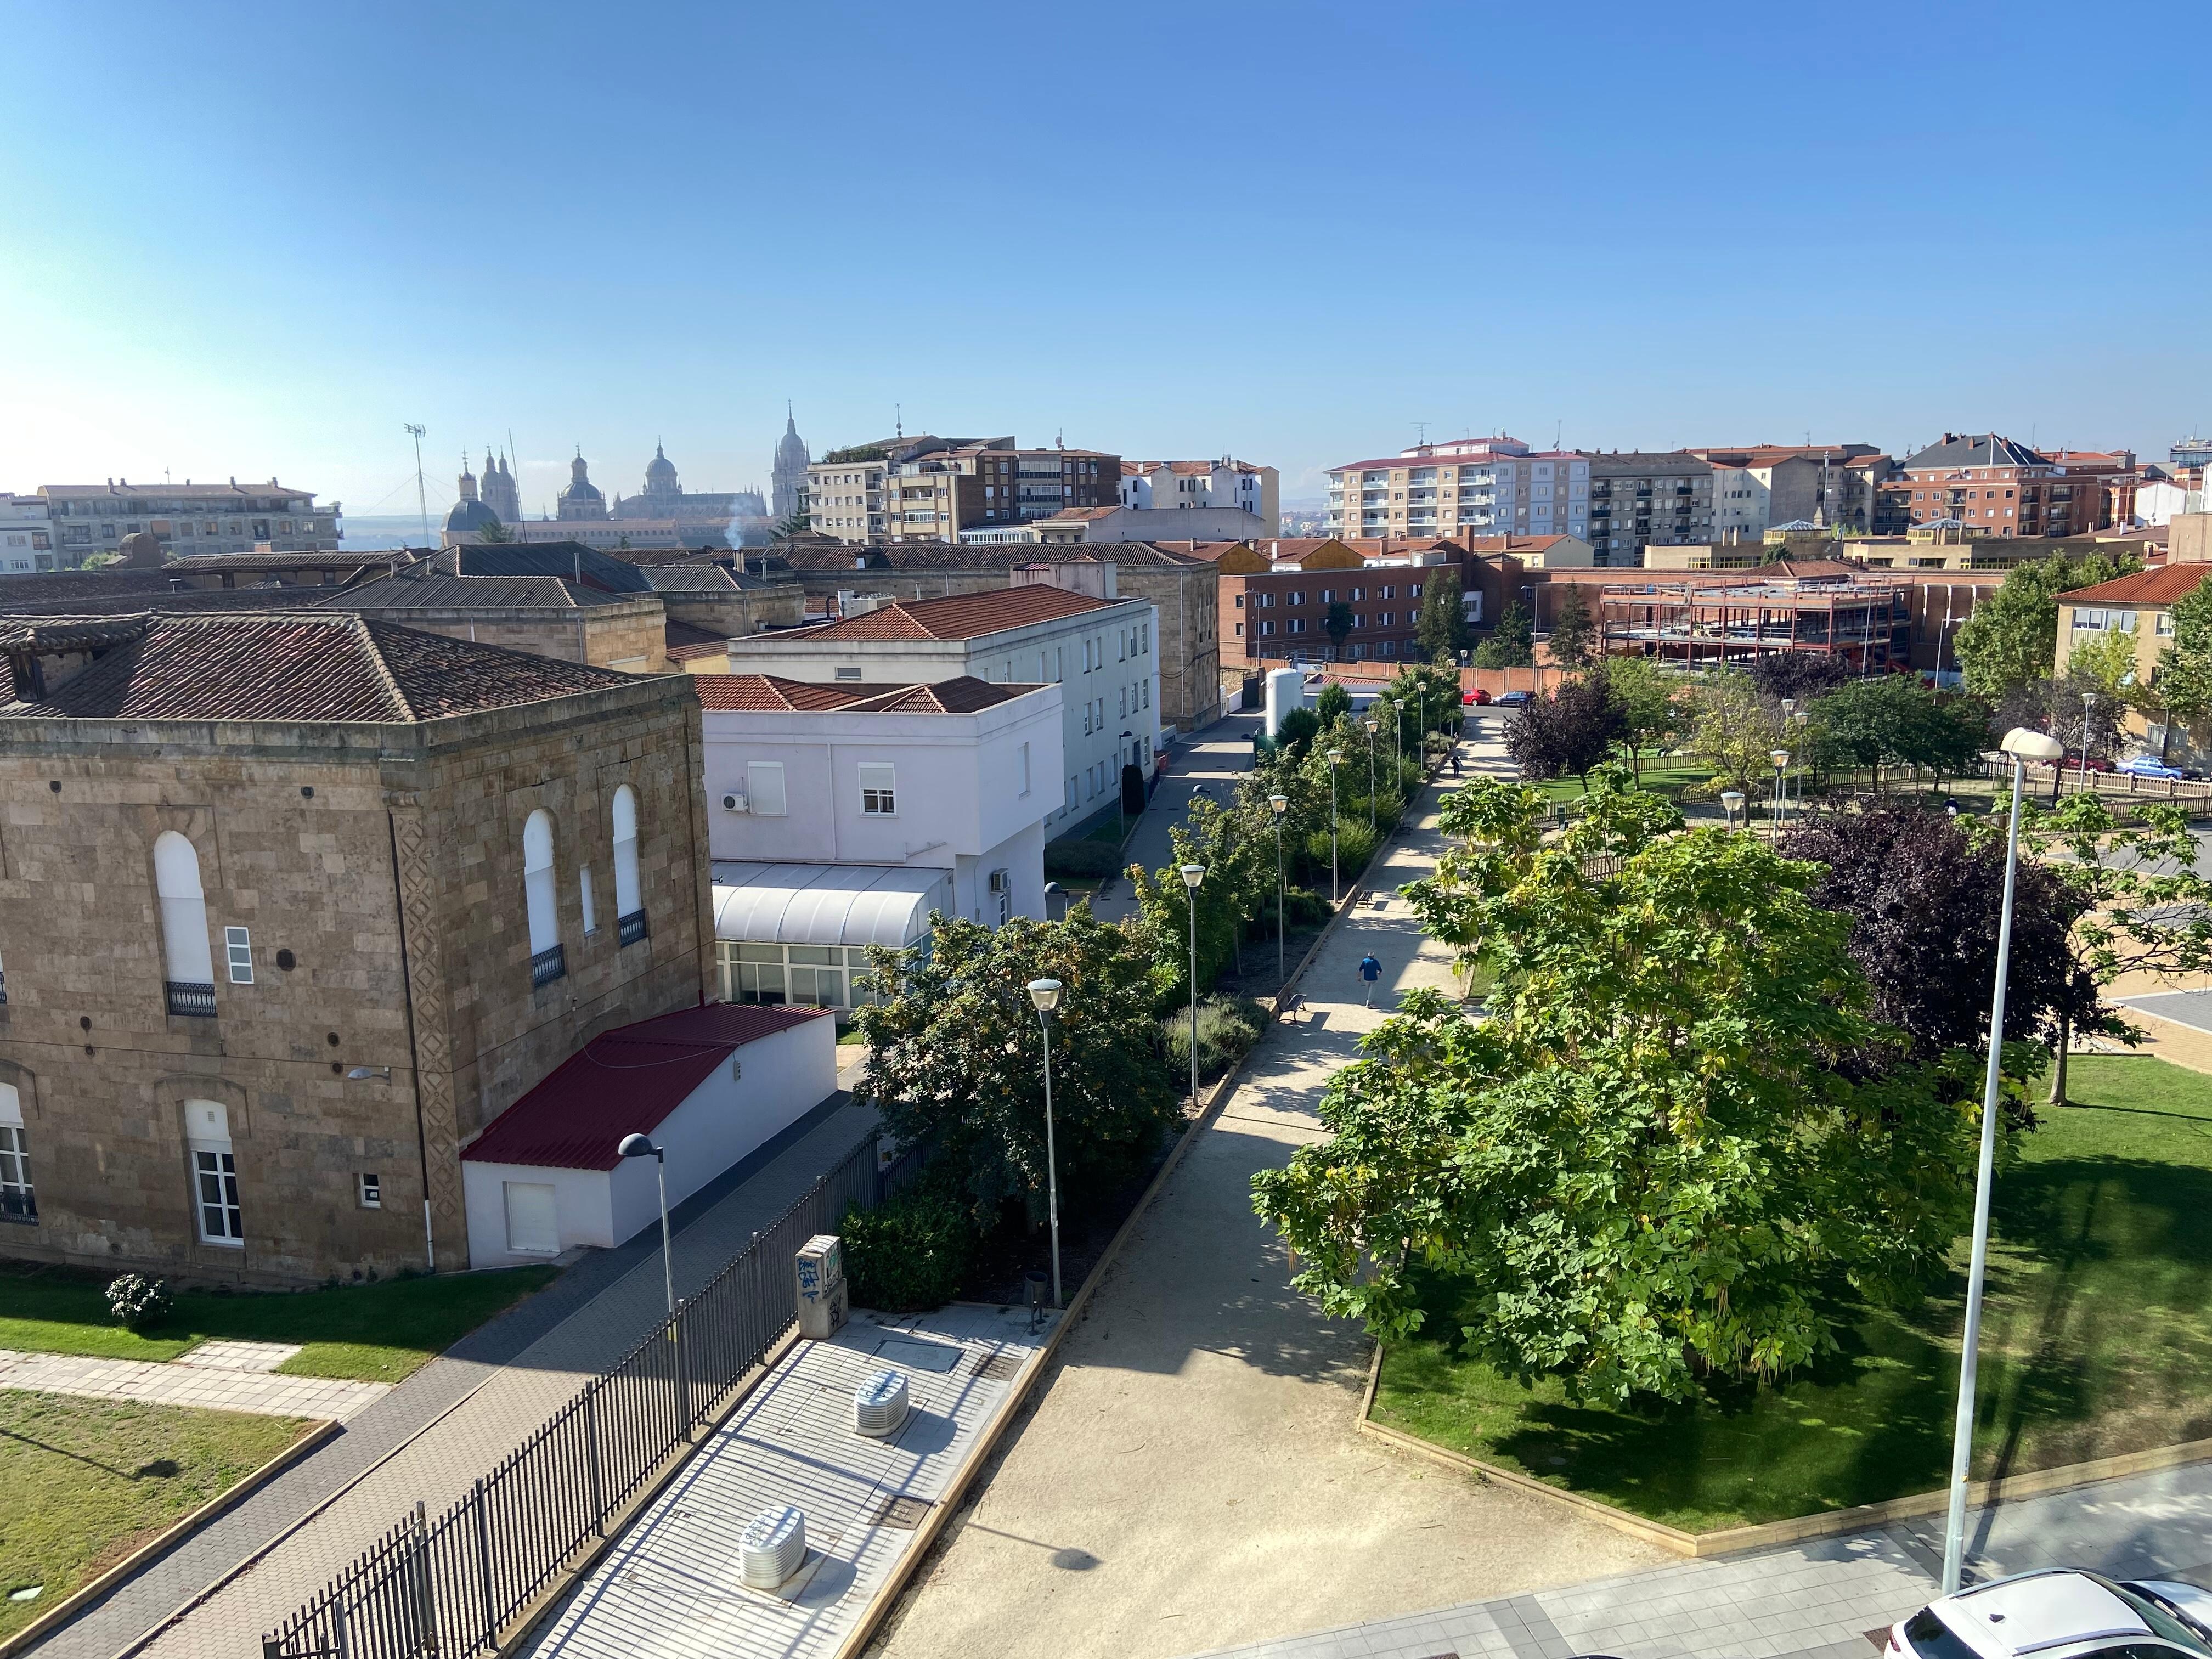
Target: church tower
[500, 494]
[787, 480]
[581, 498]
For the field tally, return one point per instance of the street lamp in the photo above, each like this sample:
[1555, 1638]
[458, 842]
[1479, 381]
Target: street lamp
[1781, 759]
[1335, 760]
[639, 1146]
[1280, 804]
[2023, 745]
[1731, 804]
[2088, 708]
[1045, 993]
[1803, 717]
[1371, 723]
[1191, 875]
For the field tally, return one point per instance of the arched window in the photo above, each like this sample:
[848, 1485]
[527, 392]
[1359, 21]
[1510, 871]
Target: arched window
[546, 963]
[629, 903]
[188, 958]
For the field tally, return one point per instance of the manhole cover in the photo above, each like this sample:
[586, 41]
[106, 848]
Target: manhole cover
[904, 1513]
[998, 1367]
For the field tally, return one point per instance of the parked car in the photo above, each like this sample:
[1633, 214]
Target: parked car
[2060, 1614]
[2149, 766]
[2073, 764]
[1514, 700]
[1476, 698]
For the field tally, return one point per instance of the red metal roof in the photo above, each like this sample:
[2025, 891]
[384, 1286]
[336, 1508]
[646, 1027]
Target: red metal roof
[622, 1081]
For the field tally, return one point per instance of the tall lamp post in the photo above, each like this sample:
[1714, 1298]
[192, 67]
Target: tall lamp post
[639, 1146]
[2023, 746]
[2088, 708]
[1731, 804]
[1371, 723]
[1781, 759]
[1801, 719]
[1280, 804]
[1045, 994]
[1335, 760]
[1191, 875]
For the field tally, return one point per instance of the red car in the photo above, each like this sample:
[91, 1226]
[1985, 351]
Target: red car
[1475, 698]
[2073, 764]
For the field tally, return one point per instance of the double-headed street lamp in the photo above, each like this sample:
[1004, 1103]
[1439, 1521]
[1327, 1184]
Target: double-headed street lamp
[1280, 804]
[639, 1146]
[2023, 746]
[1191, 875]
[1371, 723]
[1335, 760]
[1045, 994]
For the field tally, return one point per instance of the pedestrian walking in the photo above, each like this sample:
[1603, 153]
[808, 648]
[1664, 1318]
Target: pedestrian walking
[1370, 971]
[1454, 760]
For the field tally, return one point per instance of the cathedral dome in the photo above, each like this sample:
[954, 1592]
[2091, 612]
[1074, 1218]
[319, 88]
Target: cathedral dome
[469, 515]
[791, 452]
[581, 498]
[659, 474]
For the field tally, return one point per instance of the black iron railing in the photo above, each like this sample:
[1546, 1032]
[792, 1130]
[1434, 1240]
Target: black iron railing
[451, 1585]
[632, 926]
[18, 1204]
[548, 965]
[190, 1001]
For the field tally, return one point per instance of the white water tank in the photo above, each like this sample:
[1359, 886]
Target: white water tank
[772, 1547]
[1286, 689]
[879, 1405]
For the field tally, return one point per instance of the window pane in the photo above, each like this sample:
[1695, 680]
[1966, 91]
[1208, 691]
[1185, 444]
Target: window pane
[759, 953]
[812, 953]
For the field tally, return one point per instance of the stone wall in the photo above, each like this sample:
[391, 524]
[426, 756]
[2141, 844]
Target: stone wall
[378, 869]
[736, 613]
[602, 635]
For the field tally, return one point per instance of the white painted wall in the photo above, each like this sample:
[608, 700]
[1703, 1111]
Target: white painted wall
[783, 1077]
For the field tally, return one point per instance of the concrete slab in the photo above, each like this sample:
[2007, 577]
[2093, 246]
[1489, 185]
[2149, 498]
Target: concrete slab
[208, 1388]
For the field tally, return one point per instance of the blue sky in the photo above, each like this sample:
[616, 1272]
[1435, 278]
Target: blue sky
[256, 238]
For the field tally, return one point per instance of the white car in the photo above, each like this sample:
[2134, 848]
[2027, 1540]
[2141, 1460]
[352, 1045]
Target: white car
[2061, 1614]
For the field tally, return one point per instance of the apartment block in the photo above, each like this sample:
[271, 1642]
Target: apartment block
[1987, 484]
[188, 518]
[1227, 482]
[1471, 486]
[1757, 487]
[932, 489]
[26, 534]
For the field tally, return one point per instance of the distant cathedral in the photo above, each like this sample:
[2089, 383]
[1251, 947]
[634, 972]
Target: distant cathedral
[787, 484]
[701, 518]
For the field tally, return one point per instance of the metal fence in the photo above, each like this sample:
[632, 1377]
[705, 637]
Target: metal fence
[446, 1587]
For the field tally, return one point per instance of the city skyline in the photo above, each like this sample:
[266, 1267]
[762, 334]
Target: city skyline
[1724, 236]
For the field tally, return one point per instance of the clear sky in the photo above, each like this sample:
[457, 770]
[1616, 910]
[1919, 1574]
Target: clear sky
[256, 238]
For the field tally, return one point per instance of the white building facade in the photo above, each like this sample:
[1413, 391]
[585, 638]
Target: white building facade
[26, 534]
[1470, 486]
[1228, 483]
[1101, 654]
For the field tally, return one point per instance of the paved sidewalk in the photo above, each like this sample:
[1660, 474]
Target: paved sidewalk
[1192, 1474]
[672, 1588]
[449, 1422]
[218, 1387]
[1215, 758]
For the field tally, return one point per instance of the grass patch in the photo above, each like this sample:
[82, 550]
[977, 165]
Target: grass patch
[1667, 780]
[2097, 1339]
[84, 1482]
[364, 1332]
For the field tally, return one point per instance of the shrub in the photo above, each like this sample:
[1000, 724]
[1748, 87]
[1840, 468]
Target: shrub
[137, 1301]
[909, 1254]
[1304, 907]
[1075, 855]
[1355, 845]
[1227, 1026]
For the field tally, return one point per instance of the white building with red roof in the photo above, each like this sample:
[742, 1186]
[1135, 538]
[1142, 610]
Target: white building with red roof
[1185, 486]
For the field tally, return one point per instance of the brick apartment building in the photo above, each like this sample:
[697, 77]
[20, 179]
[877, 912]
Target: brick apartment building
[1989, 485]
[292, 905]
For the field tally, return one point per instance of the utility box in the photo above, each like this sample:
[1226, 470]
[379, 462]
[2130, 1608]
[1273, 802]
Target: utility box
[823, 1301]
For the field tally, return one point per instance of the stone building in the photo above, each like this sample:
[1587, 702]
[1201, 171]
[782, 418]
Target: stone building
[292, 905]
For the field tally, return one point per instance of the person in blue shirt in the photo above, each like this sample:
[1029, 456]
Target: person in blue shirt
[1370, 971]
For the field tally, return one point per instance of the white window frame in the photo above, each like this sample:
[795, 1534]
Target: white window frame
[369, 1190]
[214, 1162]
[764, 789]
[238, 955]
[879, 789]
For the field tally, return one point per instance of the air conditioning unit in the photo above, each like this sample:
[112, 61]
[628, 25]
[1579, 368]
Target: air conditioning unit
[1002, 881]
[734, 803]
[879, 1405]
[772, 1547]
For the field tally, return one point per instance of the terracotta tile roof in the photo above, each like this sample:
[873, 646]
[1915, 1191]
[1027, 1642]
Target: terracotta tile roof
[825, 555]
[305, 666]
[763, 693]
[957, 615]
[685, 643]
[1086, 512]
[647, 1070]
[2163, 585]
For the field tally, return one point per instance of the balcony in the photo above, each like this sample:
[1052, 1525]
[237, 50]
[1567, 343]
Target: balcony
[631, 927]
[545, 967]
[188, 1000]
[18, 1204]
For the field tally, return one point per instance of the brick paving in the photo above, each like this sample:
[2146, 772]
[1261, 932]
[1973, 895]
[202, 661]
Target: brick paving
[671, 1588]
[448, 1423]
[207, 1388]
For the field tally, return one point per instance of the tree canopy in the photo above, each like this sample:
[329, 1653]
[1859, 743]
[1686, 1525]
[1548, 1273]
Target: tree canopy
[1511, 643]
[1443, 628]
[1648, 1161]
[1574, 637]
[1891, 719]
[1572, 729]
[2011, 638]
[1650, 698]
[1803, 675]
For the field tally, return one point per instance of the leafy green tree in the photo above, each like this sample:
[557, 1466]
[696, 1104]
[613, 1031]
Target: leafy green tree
[1803, 675]
[2180, 690]
[1442, 629]
[1333, 703]
[1888, 720]
[796, 523]
[2107, 660]
[1647, 1163]
[1336, 622]
[1572, 729]
[1732, 729]
[1648, 698]
[955, 1057]
[2011, 638]
[1295, 734]
[1511, 643]
[1574, 637]
[495, 532]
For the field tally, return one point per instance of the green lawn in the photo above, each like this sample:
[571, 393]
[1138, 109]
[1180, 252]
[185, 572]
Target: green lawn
[84, 1482]
[373, 1333]
[2097, 1339]
[1659, 778]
